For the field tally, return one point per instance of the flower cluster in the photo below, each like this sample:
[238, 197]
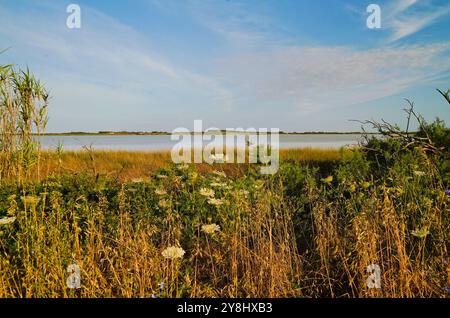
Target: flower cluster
[8, 220]
[173, 252]
[209, 193]
[216, 202]
[210, 228]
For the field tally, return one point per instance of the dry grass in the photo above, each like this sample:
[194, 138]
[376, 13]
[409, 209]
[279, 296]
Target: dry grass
[290, 235]
[128, 165]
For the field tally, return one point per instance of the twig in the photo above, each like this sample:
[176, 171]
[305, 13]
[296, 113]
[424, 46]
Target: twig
[446, 95]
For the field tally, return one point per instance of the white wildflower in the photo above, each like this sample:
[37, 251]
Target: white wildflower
[216, 202]
[219, 173]
[210, 228]
[8, 220]
[209, 193]
[173, 252]
[219, 185]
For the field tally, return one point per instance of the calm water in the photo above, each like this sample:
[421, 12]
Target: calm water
[160, 143]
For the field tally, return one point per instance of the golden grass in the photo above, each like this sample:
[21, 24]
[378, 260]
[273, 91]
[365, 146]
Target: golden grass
[129, 165]
[293, 235]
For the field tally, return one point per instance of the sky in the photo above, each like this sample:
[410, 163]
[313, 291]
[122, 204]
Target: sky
[296, 65]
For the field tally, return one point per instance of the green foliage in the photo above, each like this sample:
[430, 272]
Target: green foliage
[439, 134]
[23, 117]
[174, 205]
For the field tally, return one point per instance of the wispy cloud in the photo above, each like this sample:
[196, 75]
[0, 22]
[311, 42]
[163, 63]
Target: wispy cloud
[407, 17]
[239, 68]
[104, 64]
[400, 6]
[318, 78]
[236, 22]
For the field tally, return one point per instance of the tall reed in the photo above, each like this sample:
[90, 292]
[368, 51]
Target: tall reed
[23, 117]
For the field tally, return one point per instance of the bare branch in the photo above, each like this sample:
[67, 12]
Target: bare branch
[446, 95]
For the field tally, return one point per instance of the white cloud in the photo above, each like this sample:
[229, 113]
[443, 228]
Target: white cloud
[107, 64]
[407, 17]
[236, 22]
[101, 40]
[400, 6]
[112, 75]
[319, 78]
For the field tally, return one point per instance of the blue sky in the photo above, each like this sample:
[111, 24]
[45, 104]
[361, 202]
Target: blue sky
[296, 65]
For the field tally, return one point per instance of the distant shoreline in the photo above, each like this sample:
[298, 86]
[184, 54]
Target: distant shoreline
[157, 133]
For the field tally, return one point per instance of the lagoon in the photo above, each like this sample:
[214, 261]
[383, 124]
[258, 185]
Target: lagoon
[164, 142]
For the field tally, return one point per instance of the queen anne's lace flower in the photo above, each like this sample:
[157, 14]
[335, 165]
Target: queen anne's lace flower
[216, 202]
[173, 252]
[6, 221]
[219, 185]
[210, 228]
[209, 193]
[220, 174]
